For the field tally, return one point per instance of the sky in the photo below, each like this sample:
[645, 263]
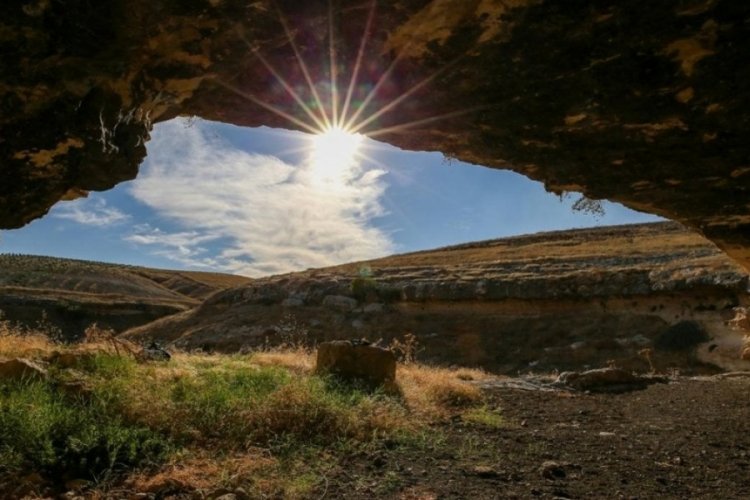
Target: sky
[216, 197]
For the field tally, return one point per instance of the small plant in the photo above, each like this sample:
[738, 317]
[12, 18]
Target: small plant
[486, 417]
[588, 206]
[96, 335]
[647, 354]
[406, 350]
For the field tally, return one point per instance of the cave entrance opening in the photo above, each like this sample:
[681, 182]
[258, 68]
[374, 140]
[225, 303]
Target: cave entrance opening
[261, 201]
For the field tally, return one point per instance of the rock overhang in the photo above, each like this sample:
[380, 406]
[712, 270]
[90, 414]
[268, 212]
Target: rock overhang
[647, 104]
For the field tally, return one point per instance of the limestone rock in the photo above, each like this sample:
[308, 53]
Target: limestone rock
[21, 369]
[340, 302]
[357, 361]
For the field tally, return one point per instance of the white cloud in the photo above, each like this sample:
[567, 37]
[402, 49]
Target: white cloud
[271, 217]
[89, 212]
[184, 247]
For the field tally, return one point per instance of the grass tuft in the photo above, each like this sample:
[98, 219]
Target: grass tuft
[486, 417]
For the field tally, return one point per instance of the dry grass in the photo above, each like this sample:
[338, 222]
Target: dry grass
[26, 346]
[606, 241]
[204, 471]
[434, 392]
[300, 360]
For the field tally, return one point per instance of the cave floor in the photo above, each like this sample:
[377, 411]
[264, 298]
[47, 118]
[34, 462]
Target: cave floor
[686, 439]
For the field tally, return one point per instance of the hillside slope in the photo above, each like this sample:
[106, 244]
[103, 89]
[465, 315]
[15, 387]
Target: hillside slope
[72, 294]
[545, 301]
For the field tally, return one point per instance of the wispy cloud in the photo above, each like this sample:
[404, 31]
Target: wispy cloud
[89, 212]
[185, 247]
[270, 216]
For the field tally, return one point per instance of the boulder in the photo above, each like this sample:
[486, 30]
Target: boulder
[340, 302]
[292, 302]
[154, 352]
[21, 369]
[606, 380]
[374, 307]
[352, 360]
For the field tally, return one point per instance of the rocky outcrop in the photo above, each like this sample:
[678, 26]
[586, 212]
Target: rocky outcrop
[646, 103]
[565, 300]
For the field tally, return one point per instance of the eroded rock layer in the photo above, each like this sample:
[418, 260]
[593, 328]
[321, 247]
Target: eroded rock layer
[646, 103]
[561, 300]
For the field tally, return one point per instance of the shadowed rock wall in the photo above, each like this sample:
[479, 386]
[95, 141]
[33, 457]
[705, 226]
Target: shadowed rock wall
[646, 103]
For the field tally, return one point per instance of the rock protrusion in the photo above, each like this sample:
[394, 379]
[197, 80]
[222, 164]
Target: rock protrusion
[357, 361]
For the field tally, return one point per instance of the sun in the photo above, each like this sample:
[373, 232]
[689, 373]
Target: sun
[334, 153]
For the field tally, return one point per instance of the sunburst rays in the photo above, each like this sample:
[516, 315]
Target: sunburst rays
[345, 115]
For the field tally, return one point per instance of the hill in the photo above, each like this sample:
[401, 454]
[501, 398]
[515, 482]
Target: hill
[71, 294]
[546, 301]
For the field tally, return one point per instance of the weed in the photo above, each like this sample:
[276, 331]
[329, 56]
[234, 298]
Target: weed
[485, 416]
[406, 350]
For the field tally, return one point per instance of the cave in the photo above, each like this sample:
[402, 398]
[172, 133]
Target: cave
[645, 104]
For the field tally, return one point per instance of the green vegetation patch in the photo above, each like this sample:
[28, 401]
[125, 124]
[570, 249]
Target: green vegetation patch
[486, 417]
[43, 430]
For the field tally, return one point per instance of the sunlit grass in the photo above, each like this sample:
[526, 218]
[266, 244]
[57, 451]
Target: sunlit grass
[261, 420]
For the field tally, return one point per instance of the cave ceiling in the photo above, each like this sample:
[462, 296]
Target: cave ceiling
[641, 102]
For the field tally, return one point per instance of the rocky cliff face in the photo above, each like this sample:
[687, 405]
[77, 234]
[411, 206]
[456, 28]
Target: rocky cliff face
[646, 103]
[548, 301]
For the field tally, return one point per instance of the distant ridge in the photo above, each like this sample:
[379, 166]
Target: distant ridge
[73, 293]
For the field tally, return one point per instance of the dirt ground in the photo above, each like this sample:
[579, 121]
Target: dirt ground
[686, 439]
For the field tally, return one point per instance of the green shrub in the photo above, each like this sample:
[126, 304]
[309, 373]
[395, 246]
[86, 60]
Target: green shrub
[42, 430]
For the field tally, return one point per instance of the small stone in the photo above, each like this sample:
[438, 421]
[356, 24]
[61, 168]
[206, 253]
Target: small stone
[484, 472]
[552, 470]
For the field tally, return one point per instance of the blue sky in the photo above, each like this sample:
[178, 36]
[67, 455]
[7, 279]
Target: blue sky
[217, 197]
